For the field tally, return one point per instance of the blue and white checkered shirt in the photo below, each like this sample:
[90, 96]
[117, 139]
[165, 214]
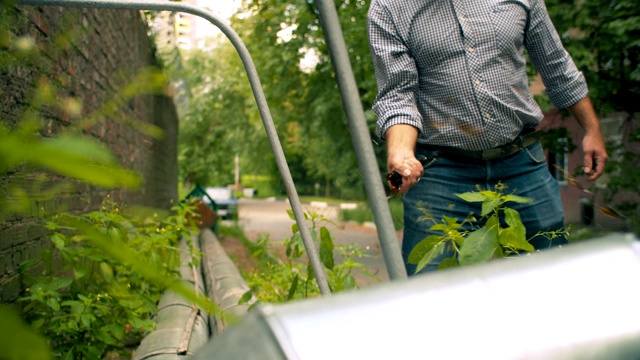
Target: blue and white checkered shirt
[455, 69]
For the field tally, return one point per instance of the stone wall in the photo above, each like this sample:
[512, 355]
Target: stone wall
[88, 55]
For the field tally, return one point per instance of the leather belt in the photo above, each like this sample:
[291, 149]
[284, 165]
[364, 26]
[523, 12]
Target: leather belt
[521, 142]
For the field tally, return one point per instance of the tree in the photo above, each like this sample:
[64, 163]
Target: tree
[305, 102]
[222, 120]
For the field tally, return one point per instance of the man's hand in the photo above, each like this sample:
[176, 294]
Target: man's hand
[595, 155]
[401, 143]
[595, 152]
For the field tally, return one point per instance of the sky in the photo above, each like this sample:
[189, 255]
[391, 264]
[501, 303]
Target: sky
[223, 8]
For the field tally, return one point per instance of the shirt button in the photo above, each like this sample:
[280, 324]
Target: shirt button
[478, 82]
[462, 18]
[470, 49]
[487, 116]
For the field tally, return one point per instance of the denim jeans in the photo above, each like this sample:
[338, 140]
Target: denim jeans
[524, 173]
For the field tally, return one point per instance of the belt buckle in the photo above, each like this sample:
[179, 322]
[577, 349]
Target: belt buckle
[491, 154]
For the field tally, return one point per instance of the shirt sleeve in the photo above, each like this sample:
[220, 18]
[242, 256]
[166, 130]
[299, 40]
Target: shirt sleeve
[396, 73]
[564, 83]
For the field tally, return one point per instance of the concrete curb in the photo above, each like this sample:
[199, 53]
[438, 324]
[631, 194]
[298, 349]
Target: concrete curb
[223, 283]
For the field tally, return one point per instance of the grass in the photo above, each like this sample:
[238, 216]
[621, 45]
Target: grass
[363, 213]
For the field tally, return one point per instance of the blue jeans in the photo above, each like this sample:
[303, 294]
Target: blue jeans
[524, 173]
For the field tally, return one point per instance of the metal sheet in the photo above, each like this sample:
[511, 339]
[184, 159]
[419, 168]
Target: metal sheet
[576, 302]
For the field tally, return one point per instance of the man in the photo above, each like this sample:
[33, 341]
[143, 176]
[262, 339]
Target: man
[455, 110]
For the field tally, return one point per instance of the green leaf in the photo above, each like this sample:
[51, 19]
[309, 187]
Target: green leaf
[148, 325]
[512, 218]
[90, 149]
[58, 240]
[60, 283]
[517, 199]
[448, 263]
[480, 245]
[53, 303]
[293, 287]
[515, 235]
[326, 248]
[489, 205]
[510, 238]
[86, 320]
[37, 324]
[452, 222]
[79, 159]
[439, 227]
[130, 303]
[490, 194]
[257, 253]
[423, 248]
[246, 297]
[68, 355]
[18, 341]
[348, 283]
[472, 197]
[435, 252]
[136, 322]
[107, 271]
[117, 330]
[79, 273]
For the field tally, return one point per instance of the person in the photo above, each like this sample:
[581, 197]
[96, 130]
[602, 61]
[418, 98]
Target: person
[455, 110]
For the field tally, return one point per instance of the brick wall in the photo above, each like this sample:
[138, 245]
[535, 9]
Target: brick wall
[102, 51]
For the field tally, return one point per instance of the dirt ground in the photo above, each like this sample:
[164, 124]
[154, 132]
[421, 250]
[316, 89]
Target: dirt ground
[238, 253]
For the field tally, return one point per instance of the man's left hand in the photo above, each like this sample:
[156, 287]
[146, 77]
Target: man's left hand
[595, 155]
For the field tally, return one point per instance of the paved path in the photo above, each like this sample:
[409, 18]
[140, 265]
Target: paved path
[258, 217]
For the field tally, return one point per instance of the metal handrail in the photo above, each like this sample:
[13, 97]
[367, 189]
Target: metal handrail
[258, 94]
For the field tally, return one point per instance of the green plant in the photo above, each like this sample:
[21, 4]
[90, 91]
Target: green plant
[98, 302]
[293, 278]
[113, 266]
[480, 243]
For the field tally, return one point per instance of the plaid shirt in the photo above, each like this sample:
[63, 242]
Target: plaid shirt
[455, 69]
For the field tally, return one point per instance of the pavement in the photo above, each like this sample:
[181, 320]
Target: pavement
[259, 217]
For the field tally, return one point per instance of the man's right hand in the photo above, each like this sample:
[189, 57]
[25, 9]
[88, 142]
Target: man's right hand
[401, 142]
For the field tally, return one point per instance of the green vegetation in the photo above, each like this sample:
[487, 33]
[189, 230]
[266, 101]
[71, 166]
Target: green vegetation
[96, 284]
[281, 280]
[305, 103]
[99, 303]
[363, 213]
[479, 244]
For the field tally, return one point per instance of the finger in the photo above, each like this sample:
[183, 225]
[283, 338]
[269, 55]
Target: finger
[411, 176]
[588, 163]
[598, 165]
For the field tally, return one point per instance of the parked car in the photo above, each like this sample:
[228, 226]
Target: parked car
[225, 202]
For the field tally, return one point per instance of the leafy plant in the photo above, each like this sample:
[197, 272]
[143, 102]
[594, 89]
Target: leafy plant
[502, 233]
[293, 278]
[98, 301]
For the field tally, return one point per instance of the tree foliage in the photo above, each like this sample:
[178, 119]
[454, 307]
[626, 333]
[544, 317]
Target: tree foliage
[305, 101]
[222, 119]
[603, 37]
